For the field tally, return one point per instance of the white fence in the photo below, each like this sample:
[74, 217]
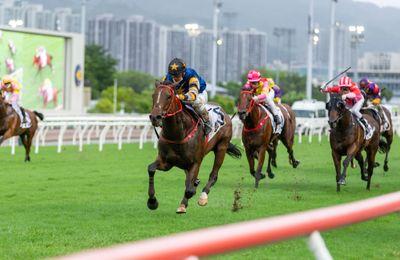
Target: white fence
[111, 129]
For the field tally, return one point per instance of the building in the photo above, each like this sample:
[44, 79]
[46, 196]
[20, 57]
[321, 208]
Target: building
[143, 45]
[382, 68]
[36, 16]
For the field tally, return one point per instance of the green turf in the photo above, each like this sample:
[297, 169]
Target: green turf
[63, 203]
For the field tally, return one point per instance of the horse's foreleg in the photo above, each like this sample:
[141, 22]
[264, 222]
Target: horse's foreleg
[261, 157]
[336, 160]
[250, 160]
[271, 154]
[152, 202]
[389, 140]
[190, 190]
[26, 141]
[219, 152]
[6, 135]
[350, 155]
[361, 163]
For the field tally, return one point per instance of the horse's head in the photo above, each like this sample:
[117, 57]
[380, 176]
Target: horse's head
[336, 109]
[163, 100]
[245, 104]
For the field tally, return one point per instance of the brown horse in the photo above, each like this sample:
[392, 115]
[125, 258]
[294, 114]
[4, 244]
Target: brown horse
[10, 126]
[347, 139]
[378, 115]
[183, 144]
[257, 135]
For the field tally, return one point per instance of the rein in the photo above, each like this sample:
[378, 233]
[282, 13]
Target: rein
[261, 122]
[192, 132]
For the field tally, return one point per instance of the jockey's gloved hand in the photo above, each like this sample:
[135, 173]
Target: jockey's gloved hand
[344, 97]
[181, 96]
[255, 98]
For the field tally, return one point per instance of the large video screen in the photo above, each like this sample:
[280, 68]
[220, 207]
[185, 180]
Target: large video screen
[37, 62]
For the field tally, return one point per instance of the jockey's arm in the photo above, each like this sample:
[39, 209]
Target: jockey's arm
[264, 93]
[333, 89]
[191, 95]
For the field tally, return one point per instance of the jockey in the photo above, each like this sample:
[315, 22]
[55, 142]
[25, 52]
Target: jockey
[373, 93]
[191, 88]
[12, 86]
[263, 92]
[351, 94]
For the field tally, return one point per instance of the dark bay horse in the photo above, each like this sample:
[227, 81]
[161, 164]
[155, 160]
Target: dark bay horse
[182, 144]
[385, 145]
[257, 135]
[347, 139]
[10, 126]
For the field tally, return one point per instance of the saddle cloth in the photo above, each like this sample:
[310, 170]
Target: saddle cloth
[19, 113]
[217, 119]
[366, 136]
[385, 125]
[270, 115]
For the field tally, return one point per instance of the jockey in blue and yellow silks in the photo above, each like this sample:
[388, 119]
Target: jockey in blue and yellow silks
[191, 88]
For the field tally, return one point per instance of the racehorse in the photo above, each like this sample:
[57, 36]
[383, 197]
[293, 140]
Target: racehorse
[48, 93]
[347, 139]
[379, 115]
[42, 59]
[257, 135]
[10, 126]
[182, 144]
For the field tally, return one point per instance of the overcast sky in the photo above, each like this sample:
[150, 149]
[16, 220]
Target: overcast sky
[383, 3]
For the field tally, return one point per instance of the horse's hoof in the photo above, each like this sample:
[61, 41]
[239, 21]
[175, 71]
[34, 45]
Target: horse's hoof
[271, 175]
[342, 182]
[181, 209]
[203, 200]
[385, 168]
[364, 177]
[295, 163]
[27, 159]
[262, 176]
[196, 182]
[152, 203]
[376, 164]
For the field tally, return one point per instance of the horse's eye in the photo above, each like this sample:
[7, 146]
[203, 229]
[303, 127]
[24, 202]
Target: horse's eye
[327, 106]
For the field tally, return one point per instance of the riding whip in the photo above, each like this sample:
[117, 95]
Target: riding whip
[337, 76]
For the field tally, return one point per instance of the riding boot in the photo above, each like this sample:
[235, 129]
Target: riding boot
[367, 126]
[23, 115]
[206, 121]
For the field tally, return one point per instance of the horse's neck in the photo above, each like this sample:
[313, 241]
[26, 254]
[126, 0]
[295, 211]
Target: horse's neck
[176, 127]
[254, 117]
[346, 122]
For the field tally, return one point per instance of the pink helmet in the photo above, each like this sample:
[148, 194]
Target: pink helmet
[254, 76]
[345, 82]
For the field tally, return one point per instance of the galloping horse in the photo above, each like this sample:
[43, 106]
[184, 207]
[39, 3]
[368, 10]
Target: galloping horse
[10, 126]
[347, 139]
[257, 135]
[387, 133]
[182, 144]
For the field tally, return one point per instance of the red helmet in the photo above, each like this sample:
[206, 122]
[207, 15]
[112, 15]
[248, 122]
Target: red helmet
[345, 82]
[254, 76]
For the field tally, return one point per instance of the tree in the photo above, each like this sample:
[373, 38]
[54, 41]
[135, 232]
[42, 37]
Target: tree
[99, 69]
[386, 94]
[138, 81]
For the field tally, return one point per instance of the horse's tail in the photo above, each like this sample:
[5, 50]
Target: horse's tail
[383, 146]
[38, 114]
[234, 151]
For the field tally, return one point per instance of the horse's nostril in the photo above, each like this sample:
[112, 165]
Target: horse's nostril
[158, 117]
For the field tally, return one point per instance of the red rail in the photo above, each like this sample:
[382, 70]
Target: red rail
[232, 237]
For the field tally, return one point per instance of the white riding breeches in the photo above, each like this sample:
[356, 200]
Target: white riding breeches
[269, 101]
[356, 108]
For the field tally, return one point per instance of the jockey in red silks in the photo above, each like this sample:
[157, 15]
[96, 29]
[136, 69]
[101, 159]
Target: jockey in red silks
[372, 91]
[351, 94]
[263, 93]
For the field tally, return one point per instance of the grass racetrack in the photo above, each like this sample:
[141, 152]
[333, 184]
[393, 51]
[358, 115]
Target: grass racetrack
[64, 203]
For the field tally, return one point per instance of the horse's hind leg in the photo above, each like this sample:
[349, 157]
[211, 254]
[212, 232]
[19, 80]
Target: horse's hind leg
[190, 190]
[273, 154]
[152, 202]
[24, 139]
[371, 153]
[361, 163]
[261, 158]
[288, 143]
[219, 152]
[389, 140]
